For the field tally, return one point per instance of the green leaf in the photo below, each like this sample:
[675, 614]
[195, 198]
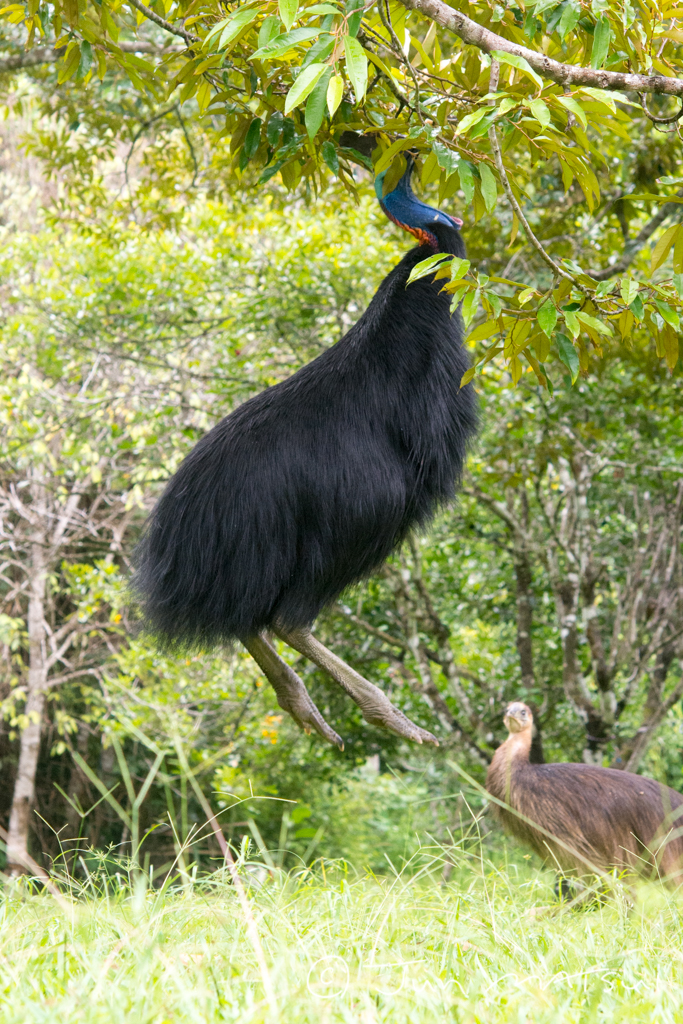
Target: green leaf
[320, 51]
[597, 325]
[252, 138]
[286, 41]
[86, 60]
[601, 41]
[304, 84]
[569, 20]
[661, 250]
[547, 317]
[568, 356]
[287, 10]
[540, 111]
[518, 62]
[470, 305]
[467, 376]
[572, 323]
[458, 295]
[668, 314]
[329, 154]
[466, 179]
[274, 128]
[315, 107]
[488, 187]
[459, 268]
[335, 91]
[629, 290]
[320, 9]
[471, 119]
[388, 155]
[637, 308]
[356, 66]
[602, 96]
[425, 267]
[446, 158]
[270, 28]
[577, 110]
[354, 11]
[231, 27]
[271, 171]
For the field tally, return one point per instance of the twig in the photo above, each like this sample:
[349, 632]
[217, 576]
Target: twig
[188, 140]
[162, 23]
[660, 120]
[493, 139]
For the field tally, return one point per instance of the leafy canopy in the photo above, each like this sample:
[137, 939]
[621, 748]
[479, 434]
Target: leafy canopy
[571, 172]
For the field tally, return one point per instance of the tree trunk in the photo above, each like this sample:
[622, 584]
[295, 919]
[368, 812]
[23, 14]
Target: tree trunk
[25, 785]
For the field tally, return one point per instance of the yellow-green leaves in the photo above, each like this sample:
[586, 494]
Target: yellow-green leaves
[317, 101]
[280, 44]
[229, 28]
[472, 119]
[388, 155]
[428, 266]
[663, 246]
[590, 321]
[335, 91]
[575, 108]
[547, 317]
[519, 63]
[628, 290]
[356, 66]
[459, 268]
[488, 187]
[287, 10]
[601, 40]
[540, 111]
[568, 355]
[304, 84]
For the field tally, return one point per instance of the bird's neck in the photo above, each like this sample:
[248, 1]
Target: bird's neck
[508, 757]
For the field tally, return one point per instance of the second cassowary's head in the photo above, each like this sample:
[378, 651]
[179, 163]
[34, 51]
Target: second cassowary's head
[518, 717]
[403, 207]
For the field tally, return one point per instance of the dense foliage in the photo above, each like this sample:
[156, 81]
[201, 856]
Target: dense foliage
[116, 357]
[545, 123]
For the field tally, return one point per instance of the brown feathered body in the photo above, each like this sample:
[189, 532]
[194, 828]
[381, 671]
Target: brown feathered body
[582, 819]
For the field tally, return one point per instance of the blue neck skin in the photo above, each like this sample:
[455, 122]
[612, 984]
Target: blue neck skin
[405, 209]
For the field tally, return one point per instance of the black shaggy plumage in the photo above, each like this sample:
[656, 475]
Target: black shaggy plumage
[308, 487]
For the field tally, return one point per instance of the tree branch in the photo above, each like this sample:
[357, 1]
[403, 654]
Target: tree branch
[632, 248]
[48, 55]
[162, 23]
[564, 74]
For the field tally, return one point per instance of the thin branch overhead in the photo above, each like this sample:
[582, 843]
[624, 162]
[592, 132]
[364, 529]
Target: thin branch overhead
[564, 74]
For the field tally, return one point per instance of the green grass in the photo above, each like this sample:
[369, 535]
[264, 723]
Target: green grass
[342, 948]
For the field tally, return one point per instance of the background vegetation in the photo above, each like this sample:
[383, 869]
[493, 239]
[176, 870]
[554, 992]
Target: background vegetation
[177, 235]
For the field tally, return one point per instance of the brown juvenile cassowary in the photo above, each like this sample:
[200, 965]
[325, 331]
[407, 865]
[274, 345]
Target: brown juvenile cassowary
[592, 820]
[309, 486]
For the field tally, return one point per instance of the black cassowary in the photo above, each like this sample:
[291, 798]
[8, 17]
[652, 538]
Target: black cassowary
[309, 486]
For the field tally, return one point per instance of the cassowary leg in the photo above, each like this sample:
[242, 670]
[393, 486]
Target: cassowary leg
[376, 707]
[564, 890]
[292, 695]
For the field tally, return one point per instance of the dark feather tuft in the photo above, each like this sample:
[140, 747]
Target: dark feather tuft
[310, 485]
